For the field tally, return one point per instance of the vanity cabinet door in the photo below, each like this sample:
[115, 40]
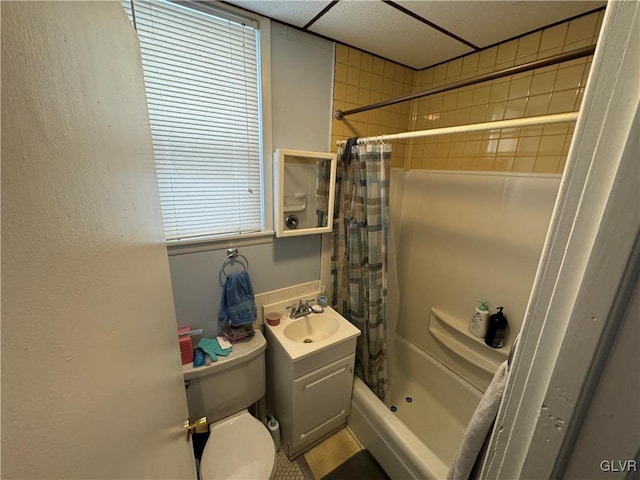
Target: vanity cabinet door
[321, 401]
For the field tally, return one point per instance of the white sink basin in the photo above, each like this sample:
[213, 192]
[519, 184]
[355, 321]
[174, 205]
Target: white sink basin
[307, 335]
[311, 328]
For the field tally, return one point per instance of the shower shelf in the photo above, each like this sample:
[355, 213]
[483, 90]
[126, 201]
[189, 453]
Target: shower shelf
[295, 203]
[453, 335]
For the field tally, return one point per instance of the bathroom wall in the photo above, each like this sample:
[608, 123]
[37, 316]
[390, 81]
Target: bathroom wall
[466, 236]
[479, 235]
[301, 84]
[361, 79]
[477, 231]
[554, 89]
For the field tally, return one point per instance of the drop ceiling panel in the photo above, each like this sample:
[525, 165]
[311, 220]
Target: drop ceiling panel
[487, 22]
[378, 28]
[294, 12]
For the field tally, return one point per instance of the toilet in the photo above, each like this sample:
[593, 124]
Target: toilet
[239, 445]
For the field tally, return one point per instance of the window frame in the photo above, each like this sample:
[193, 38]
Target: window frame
[188, 245]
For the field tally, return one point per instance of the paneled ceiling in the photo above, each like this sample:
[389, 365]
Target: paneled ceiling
[419, 33]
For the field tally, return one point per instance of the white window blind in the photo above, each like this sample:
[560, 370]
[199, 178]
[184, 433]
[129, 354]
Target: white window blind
[202, 77]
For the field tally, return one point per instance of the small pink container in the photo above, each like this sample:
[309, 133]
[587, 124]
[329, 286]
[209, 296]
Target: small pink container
[273, 318]
[186, 346]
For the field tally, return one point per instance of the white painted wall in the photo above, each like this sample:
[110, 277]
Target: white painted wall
[465, 237]
[302, 89]
[91, 378]
[301, 82]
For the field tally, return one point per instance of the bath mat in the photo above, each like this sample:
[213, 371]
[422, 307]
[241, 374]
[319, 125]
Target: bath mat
[331, 452]
[360, 465]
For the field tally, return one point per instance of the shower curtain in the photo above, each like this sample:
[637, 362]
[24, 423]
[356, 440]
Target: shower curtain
[359, 254]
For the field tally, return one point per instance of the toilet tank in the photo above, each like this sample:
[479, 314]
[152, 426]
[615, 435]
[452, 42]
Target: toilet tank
[230, 384]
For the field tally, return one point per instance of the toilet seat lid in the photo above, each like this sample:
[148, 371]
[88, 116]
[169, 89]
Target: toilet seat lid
[239, 447]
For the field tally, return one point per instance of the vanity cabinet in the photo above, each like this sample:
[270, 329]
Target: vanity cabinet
[310, 397]
[321, 401]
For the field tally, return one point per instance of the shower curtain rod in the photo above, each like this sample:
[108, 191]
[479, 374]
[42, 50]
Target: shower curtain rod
[473, 127]
[562, 57]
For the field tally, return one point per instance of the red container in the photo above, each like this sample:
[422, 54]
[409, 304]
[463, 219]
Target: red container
[273, 318]
[186, 346]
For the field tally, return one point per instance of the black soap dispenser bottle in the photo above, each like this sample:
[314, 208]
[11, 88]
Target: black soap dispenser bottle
[496, 329]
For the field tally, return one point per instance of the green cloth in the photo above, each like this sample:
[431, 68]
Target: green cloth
[213, 348]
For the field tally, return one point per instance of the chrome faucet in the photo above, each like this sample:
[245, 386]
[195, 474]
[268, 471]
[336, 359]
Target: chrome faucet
[301, 310]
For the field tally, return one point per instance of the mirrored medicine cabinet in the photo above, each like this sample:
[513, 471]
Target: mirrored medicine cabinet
[304, 192]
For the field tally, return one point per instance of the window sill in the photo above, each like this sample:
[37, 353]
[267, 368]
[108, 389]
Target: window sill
[204, 245]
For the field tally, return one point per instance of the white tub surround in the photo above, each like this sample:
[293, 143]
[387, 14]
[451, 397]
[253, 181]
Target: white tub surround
[421, 438]
[464, 237]
[452, 334]
[398, 450]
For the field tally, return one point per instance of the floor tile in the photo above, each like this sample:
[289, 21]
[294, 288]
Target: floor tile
[287, 470]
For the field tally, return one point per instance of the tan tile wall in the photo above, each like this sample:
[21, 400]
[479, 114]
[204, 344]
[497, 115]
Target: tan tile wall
[555, 89]
[361, 79]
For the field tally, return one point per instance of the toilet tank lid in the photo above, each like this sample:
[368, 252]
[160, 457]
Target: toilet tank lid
[242, 351]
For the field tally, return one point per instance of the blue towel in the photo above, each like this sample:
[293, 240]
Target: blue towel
[237, 306]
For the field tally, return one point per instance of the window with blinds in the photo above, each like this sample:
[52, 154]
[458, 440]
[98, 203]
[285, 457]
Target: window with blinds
[202, 77]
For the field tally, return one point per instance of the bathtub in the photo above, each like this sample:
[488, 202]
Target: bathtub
[433, 406]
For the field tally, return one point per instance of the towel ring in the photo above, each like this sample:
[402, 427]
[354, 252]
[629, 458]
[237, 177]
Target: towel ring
[232, 257]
